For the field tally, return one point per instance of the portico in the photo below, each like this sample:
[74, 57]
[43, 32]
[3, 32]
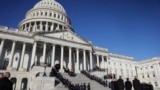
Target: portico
[42, 52]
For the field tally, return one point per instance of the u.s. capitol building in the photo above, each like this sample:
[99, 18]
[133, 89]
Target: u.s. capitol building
[45, 38]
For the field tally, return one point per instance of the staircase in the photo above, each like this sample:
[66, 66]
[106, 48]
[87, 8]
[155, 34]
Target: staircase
[81, 79]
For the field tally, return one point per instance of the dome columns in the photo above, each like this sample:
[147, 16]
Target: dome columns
[42, 26]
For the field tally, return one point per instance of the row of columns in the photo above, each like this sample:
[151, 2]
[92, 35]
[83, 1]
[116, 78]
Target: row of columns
[33, 26]
[98, 63]
[52, 58]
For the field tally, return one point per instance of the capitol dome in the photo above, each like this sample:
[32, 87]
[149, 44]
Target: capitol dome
[46, 16]
[50, 4]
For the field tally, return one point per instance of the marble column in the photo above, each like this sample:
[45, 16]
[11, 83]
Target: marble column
[53, 55]
[33, 54]
[77, 68]
[29, 28]
[103, 66]
[98, 60]
[91, 58]
[25, 27]
[70, 57]
[41, 25]
[11, 55]
[46, 26]
[84, 60]
[1, 48]
[156, 69]
[52, 26]
[22, 57]
[44, 53]
[62, 52]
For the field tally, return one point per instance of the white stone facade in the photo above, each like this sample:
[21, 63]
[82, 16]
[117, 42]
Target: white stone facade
[45, 38]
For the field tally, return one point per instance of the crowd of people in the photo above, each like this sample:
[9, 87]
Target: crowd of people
[5, 83]
[68, 83]
[97, 79]
[128, 85]
[70, 72]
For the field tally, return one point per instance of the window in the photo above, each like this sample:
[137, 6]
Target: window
[156, 84]
[154, 75]
[151, 66]
[54, 15]
[58, 16]
[148, 75]
[50, 14]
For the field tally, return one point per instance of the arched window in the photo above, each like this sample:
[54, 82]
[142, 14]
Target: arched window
[58, 16]
[54, 15]
[50, 14]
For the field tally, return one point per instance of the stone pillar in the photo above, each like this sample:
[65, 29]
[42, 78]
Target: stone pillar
[25, 27]
[18, 83]
[44, 53]
[70, 57]
[1, 48]
[34, 27]
[103, 66]
[41, 25]
[57, 28]
[77, 68]
[46, 26]
[52, 26]
[84, 60]
[91, 58]
[156, 70]
[98, 60]
[62, 51]
[53, 55]
[29, 28]
[33, 54]
[11, 55]
[22, 57]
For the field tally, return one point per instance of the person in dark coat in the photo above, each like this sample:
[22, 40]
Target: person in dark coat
[88, 86]
[128, 85]
[7, 83]
[150, 86]
[1, 80]
[120, 83]
[136, 84]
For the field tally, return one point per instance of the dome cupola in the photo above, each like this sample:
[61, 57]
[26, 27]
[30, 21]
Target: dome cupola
[46, 16]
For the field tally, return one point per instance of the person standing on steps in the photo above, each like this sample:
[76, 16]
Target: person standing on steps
[120, 83]
[1, 80]
[136, 84]
[128, 85]
[7, 83]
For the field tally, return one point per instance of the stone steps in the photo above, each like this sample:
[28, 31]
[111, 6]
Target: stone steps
[81, 79]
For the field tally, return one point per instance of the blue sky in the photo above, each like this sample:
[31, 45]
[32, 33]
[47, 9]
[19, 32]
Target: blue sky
[126, 27]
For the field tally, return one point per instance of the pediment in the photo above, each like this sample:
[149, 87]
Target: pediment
[67, 35]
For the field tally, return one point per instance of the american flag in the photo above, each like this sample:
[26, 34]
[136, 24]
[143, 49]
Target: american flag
[66, 24]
